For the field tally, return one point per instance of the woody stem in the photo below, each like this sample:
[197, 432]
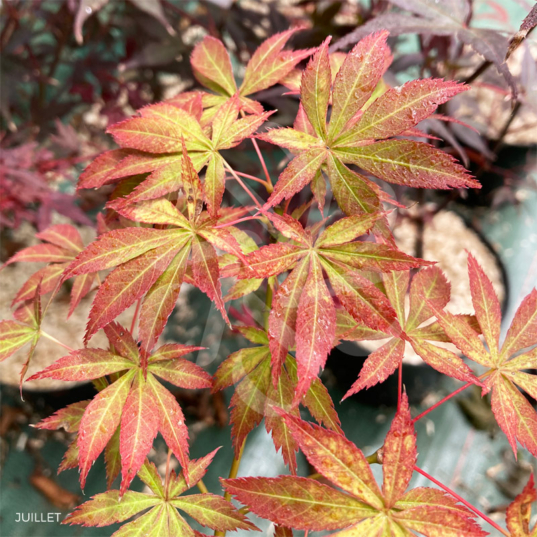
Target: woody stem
[462, 500]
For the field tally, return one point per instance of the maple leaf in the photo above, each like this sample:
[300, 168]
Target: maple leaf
[361, 135]
[164, 502]
[25, 328]
[61, 244]
[361, 507]
[161, 129]
[255, 395]
[446, 18]
[303, 303]
[269, 64]
[152, 262]
[518, 514]
[429, 284]
[506, 363]
[136, 401]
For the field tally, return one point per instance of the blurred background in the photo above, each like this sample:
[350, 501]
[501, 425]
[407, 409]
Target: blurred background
[70, 68]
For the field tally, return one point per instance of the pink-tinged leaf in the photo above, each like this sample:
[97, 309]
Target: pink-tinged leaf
[379, 365]
[122, 341]
[486, 304]
[41, 253]
[98, 172]
[514, 414]
[400, 109]
[518, 514]
[171, 351]
[148, 473]
[182, 373]
[271, 260]
[302, 123]
[318, 189]
[362, 299]
[371, 256]
[152, 523]
[191, 101]
[242, 129]
[64, 236]
[315, 88]
[160, 211]
[109, 508]
[213, 511]
[282, 531]
[206, 273]
[13, 336]
[161, 299]
[269, 63]
[100, 421]
[294, 140]
[346, 230]
[112, 459]
[67, 418]
[337, 459]
[354, 193]
[526, 381]
[281, 397]
[439, 522]
[172, 424]
[215, 183]
[523, 330]
[429, 285]
[70, 457]
[396, 285]
[242, 288]
[139, 426]
[161, 129]
[399, 455]
[253, 334]
[290, 227]
[297, 502]
[117, 247]
[444, 361]
[463, 336]
[317, 400]
[283, 316]
[299, 172]
[224, 119]
[409, 163]
[432, 498]
[126, 284]
[46, 278]
[315, 328]
[357, 78]
[82, 285]
[84, 364]
[248, 403]
[237, 365]
[196, 469]
[212, 66]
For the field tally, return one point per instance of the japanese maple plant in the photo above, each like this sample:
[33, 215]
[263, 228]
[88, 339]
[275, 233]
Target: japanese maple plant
[340, 278]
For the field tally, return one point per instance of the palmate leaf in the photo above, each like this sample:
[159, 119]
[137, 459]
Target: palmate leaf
[360, 508]
[428, 287]
[153, 262]
[163, 518]
[353, 137]
[136, 402]
[269, 64]
[256, 396]
[506, 364]
[61, 244]
[163, 129]
[303, 304]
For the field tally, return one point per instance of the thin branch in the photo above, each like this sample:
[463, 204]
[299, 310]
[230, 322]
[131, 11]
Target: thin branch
[239, 180]
[52, 338]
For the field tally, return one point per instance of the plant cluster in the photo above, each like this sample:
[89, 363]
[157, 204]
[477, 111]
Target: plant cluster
[341, 278]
